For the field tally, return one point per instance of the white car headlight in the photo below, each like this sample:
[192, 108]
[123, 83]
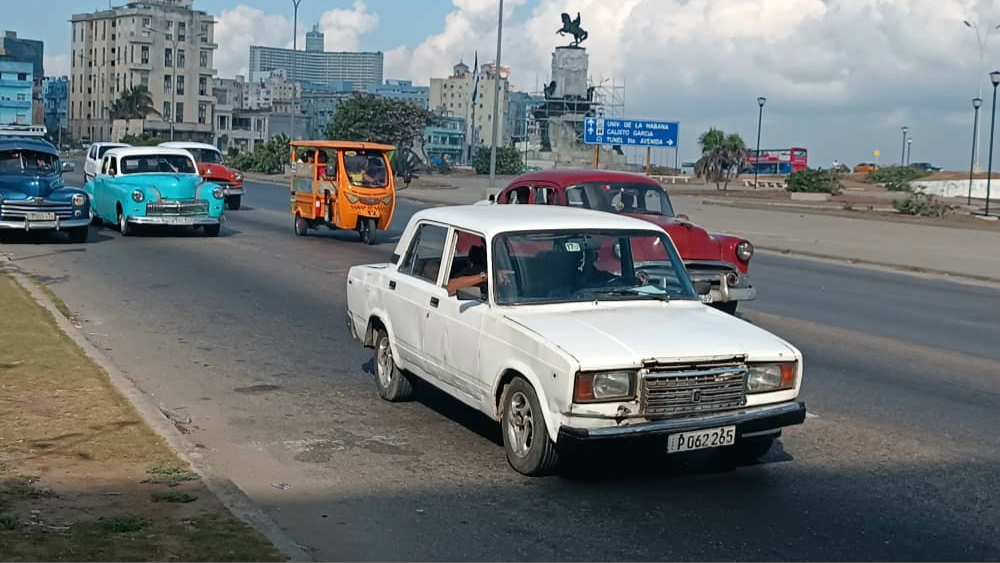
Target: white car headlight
[771, 377]
[603, 386]
[239, 176]
[744, 251]
[217, 192]
[78, 200]
[138, 196]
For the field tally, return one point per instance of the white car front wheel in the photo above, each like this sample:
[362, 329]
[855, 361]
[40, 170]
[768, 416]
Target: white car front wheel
[525, 438]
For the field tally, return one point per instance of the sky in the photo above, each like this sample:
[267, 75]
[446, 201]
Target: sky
[841, 77]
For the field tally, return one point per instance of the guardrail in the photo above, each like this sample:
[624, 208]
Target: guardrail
[672, 179]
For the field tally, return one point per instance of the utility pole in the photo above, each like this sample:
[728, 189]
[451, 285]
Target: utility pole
[295, 52]
[496, 101]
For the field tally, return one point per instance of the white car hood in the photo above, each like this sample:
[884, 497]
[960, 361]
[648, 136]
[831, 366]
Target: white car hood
[611, 335]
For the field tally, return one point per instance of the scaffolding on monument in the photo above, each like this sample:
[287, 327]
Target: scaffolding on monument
[607, 100]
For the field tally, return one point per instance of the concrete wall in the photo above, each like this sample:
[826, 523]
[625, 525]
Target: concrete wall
[959, 188]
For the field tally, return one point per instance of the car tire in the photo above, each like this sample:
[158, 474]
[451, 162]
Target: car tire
[212, 230]
[94, 219]
[393, 384]
[78, 235]
[746, 451]
[525, 436]
[367, 230]
[124, 226]
[727, 306]
[301, 226]
[234, 202]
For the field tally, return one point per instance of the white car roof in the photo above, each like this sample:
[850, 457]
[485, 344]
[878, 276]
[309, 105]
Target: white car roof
[102, 144]
[189, 145]
[491, 220]
[143, 151]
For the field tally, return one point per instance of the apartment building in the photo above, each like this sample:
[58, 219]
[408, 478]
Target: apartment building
[452, 97]
[164, 45]
[363, 70]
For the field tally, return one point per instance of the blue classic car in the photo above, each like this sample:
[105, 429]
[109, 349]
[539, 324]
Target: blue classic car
[138, 186]
[32, 194]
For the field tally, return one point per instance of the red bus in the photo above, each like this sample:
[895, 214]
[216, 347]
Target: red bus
[777, 161]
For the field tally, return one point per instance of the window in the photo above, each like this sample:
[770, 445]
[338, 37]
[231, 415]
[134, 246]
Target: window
[146, 22]
[168, 57]
[180, 85]
[168, 83]
[470, 258]
[22, 76]
[180, 58]
[22, 98]
[621, 197]
[202, 112]
[423, 259]
[144, 55]
[520, 194]
[180, 112]
[202, 86]
[203, 59]
[181, 31]
[166, 111]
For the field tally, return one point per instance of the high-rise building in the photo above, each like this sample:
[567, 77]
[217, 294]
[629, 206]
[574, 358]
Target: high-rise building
[32, 51]
[315, 40]
[16, 83]
[404, 90]
[453, 97]
[55, 103]
[363, 70]
[164, 45]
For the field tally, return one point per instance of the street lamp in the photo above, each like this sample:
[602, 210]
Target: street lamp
[981, 41]
[976, 103]
[295, 52]
[995, 79]
[902, 153]
[909, 146]
[760, 116]
[496, 101]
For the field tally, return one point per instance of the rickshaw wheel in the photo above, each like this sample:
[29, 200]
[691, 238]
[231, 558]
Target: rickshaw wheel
[367, 231]
[301, 226]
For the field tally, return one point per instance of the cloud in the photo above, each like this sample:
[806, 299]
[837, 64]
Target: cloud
[880, 63]
[56, 65]
[243, 26]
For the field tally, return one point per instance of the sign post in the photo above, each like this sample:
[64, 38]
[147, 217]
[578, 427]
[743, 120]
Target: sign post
[877, 153]
[599, 131]
[649, 160]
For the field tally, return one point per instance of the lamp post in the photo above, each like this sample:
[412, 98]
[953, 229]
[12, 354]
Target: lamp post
[995, 79]
[981, 42]
[760, 116]
[976, 103]
[295, 52]
[496, 101]
[902, 152]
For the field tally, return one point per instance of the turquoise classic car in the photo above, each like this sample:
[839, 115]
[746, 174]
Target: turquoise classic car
[33, 196]
[137, 186]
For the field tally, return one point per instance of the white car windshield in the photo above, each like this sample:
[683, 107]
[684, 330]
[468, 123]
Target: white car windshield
[157, 164]
[567, 266]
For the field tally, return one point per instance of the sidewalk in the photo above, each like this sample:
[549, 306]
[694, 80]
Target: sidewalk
[956, 251]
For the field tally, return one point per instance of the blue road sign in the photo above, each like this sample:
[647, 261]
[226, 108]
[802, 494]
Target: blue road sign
[638, 132]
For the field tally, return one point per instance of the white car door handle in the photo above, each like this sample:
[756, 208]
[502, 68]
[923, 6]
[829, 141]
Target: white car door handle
[434, 301]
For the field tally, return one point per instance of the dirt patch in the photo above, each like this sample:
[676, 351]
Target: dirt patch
[82, 478]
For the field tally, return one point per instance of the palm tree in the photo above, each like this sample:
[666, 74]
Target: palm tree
[722, 157]
[134, 103]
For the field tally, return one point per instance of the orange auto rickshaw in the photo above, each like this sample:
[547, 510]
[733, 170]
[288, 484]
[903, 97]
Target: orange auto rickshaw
[342, 185]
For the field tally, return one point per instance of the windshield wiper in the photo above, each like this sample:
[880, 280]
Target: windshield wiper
[626, 292]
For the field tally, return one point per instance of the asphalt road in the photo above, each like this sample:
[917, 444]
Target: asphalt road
[245, 334]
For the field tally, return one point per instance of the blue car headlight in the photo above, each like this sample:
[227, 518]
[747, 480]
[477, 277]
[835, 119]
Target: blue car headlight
[217, 192]
[79, 200]
[138, 196]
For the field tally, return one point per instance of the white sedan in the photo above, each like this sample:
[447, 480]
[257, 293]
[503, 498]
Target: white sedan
[565, 324]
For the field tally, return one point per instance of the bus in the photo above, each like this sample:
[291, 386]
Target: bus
[777, 161]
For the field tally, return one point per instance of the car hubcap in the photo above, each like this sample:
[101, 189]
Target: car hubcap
[122, 224]
[520, 424]
[383, 364]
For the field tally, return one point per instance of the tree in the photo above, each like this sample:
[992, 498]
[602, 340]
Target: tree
[143, 140]
[722, 157]
[266, 158]
[508, 161]
[378, 120]
[134, 103]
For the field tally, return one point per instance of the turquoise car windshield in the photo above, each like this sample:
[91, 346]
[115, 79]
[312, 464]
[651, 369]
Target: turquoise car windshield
[157, 164]
[31, 162]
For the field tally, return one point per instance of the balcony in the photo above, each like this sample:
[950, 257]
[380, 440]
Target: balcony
[13, 104]
[17, 84]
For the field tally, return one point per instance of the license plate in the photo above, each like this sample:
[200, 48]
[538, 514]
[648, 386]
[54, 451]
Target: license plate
[701, 439]
[184, 220]
[706, 298]
[41, 216]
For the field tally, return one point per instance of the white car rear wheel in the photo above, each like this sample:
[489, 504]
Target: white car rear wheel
[393, 384]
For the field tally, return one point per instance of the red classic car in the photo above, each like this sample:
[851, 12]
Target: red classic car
[721, 260]
[212, 169]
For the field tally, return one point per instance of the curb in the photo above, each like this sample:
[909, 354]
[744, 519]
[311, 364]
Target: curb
[954, 276]
[231, 496]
